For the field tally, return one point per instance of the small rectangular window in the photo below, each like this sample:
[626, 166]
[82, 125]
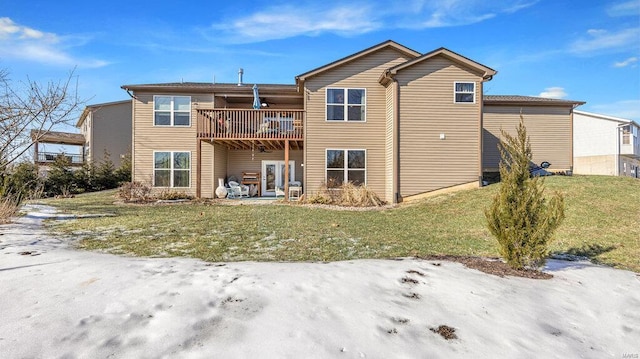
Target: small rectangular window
[171, 110]
[465, 92]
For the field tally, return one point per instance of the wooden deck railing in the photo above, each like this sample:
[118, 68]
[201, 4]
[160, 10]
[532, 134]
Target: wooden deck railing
[251, 124]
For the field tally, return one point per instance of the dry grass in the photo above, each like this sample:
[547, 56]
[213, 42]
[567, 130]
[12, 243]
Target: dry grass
[8, 208]
[348, 195]
[601, 223]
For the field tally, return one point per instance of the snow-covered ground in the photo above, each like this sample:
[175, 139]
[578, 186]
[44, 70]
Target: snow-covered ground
[56, 302]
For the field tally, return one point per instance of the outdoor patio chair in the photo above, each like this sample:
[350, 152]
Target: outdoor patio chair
[237, 190]
[295, 190]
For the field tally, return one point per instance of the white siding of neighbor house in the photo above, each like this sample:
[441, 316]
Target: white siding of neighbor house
[599, 149]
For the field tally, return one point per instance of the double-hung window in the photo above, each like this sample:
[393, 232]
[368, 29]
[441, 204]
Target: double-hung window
[464, 92]
[171, 169]
[346, 166]
[344, 104]
[171, 110]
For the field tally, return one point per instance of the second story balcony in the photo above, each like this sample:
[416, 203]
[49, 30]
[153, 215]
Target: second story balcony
[240, 128]
[65, 139]
[51, 157]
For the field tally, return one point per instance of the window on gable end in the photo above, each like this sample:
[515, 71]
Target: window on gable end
[464, 92]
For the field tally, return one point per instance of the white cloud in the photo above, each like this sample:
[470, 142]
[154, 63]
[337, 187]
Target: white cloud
[627, 8]
[629, 109]
[26, 44]
[285, 22]
[446, 13]
[553, 92]
[360, 17]
[599, 39]
[628, 62]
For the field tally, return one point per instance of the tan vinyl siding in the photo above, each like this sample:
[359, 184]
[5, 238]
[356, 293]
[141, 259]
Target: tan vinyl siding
[208, 182]
[549, 129]
[370, 135]
[242, 161]
[389, 144]
[149, 138]
[427, 109]
[220, 156]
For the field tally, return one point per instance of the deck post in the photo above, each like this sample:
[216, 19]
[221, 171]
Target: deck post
[286, 170]
[36, 157]
[198, 168]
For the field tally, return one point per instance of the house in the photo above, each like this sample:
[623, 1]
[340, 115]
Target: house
[549, 126]
[44, 157]
[605, 145]
[103, 127]
[106, 127]
[401, 122]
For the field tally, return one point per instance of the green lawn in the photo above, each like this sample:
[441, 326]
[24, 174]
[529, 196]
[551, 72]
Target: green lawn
[602, 222]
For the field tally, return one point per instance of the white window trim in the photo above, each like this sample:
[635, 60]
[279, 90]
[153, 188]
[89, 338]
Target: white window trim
[346, 163]
[171, 124]
[171, 169]
[345, 105]
[456, 92]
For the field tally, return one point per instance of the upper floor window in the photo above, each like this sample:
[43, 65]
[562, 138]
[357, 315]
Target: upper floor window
[171, 110]
[345, 104]
[465, 92]
[626, 135]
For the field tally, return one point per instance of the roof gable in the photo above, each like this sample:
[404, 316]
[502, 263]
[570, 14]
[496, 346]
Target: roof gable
[485, 71]
[387, 44]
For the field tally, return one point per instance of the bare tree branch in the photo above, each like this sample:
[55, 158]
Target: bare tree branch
[30, 106]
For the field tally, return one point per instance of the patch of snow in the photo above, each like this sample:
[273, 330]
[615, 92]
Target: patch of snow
[60, 302]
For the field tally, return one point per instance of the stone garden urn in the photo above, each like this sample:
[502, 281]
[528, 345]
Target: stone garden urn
[221, 191]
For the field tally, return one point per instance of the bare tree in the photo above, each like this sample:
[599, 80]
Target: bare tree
[28, 106]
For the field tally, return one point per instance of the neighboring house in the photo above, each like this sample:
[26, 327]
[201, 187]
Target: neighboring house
[401, 122]
[605, 145]
[549, 126]
[106, 127]
[103, 127]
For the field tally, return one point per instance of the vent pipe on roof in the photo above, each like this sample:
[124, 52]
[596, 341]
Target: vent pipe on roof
[240, 73]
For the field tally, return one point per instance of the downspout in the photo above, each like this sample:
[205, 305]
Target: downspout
[396, 141]
[480, 137]
[618, 149]
[485, 78]
[133, 134]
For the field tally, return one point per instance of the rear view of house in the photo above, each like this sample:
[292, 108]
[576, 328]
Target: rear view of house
[398, 121]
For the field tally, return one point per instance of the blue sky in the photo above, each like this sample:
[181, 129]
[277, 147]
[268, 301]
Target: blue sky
[587, 50]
